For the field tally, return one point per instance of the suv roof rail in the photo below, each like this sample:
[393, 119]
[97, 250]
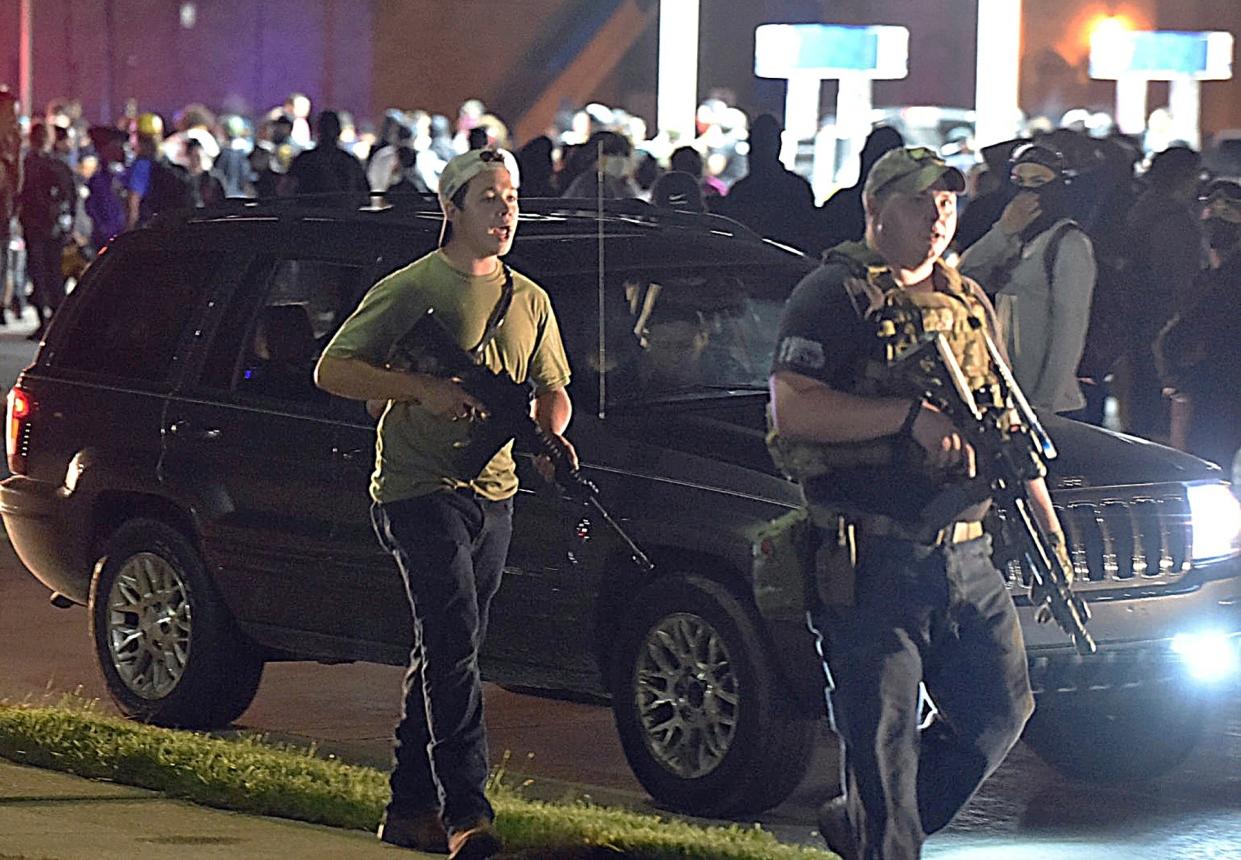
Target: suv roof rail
[338, 200]
[632, 209]
[415, 201]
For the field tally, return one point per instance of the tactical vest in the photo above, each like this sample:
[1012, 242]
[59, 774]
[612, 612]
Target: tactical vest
[950, 309]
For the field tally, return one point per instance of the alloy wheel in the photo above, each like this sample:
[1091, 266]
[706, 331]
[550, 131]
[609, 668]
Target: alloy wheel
[148, 623]
[686, 694]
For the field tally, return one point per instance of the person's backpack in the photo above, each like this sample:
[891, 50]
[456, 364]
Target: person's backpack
[1106, 332]
[170, 187]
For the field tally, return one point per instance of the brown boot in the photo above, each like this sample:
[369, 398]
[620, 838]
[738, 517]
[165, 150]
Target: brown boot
[422, 831]
[477, 842]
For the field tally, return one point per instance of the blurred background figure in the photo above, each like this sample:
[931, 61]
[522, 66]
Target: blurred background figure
[1038, 264]
[611, 154]
[327, 168]
[10, 185]
[105, 204]
[841, 216]
[1164, 236]
[538, 170]
[45, 208]
[678, 190]
[772, 200]
[1200, 350]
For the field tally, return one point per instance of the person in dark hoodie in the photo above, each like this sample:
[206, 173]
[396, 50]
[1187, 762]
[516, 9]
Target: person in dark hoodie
[1200, 349]
[772, 200]
[841, 216]
[1165, 242]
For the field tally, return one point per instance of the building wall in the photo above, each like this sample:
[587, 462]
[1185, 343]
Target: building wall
[240, 54]
[435, 55]
[366, 55]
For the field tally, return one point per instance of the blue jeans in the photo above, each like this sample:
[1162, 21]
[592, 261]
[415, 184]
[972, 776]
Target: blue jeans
[450, 548]
[941, 616]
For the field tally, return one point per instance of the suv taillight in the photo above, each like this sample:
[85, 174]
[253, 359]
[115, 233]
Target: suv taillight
[19, 409]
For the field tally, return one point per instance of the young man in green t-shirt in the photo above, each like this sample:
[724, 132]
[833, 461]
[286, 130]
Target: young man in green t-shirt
[448, 529]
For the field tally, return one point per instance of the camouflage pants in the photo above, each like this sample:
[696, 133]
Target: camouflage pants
[941, 616]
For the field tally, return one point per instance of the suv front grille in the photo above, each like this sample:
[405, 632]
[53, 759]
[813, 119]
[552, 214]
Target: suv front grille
[1138, 541]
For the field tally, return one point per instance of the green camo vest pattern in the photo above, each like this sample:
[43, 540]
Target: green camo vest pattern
[951, 309]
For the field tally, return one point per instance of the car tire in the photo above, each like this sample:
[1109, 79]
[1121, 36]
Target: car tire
[690, 651]
[1117, 736]
[169, 650]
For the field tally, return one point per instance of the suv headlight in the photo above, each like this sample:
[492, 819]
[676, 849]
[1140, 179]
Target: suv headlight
[1215, 515]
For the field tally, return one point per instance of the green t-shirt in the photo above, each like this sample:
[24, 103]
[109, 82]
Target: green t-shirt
[416, 451]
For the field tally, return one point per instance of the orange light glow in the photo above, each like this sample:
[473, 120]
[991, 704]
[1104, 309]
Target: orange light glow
[1109, 26]
[1102, 18]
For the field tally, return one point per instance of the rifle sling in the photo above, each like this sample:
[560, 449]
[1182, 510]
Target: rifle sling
[497, 316]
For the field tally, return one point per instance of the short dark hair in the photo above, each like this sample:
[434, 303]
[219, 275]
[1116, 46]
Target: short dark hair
[327, 126]
[458, 200]
[1173, 166]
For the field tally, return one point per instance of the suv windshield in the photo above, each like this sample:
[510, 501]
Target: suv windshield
[673, 333]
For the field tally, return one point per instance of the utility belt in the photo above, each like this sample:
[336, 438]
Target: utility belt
[836, 558]
[809, 557]
[886, 527]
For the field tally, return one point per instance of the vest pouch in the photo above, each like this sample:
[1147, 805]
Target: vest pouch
[783, 564]
[835, 561]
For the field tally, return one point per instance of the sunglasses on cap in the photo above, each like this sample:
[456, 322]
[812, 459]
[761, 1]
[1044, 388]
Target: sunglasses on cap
[489, 156]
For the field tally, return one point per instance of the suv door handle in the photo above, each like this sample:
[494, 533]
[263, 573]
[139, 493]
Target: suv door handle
[184, 429]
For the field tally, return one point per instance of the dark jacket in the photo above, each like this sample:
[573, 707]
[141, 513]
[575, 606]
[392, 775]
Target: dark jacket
[48, 193]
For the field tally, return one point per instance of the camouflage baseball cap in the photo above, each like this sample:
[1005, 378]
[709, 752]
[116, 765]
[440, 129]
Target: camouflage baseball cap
[911, 170]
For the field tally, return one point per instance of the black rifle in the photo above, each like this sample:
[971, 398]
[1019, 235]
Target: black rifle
[1011, 448]
[430, 348]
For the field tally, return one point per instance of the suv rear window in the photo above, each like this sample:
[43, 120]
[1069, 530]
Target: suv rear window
[271, 339]
[133, 314]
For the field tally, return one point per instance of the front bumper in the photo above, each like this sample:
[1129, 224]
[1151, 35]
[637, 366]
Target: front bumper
[1136, 638]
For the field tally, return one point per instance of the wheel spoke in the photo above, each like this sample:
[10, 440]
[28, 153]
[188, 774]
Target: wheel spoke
[149, 625]
[686, 695]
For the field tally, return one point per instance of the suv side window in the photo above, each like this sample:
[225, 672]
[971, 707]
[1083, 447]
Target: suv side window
[279, 323]
[134, 313]
[674, 331]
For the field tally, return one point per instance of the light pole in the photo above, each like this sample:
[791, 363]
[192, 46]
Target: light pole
[677, 94]
[25, 63]
[996, 82]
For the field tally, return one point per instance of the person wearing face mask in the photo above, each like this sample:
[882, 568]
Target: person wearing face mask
[614, 158]
[1040, 267]
[1199, 350]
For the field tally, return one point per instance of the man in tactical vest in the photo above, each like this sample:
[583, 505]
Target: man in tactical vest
[906, 589]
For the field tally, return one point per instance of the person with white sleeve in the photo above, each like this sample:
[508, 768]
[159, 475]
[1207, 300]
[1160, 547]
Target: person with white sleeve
[1039, 266]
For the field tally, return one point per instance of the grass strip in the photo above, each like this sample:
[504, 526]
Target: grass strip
[248, 775]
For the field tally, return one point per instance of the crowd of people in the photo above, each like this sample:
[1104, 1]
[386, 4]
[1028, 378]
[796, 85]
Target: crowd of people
[1089, 249]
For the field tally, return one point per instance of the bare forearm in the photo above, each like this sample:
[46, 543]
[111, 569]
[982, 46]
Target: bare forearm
[1041, 507]
[132, 204]
[807, 410]
[552, 410]
[356, 379]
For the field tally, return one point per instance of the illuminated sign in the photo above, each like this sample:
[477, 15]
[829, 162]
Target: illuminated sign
[830, 51]
[1163, 55]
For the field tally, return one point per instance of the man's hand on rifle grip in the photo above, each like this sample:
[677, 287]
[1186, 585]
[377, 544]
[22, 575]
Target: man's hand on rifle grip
[544, 464]
[945, 447]
[446, 398]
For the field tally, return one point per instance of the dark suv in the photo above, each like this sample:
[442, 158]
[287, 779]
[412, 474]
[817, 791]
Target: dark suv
[176, 471]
